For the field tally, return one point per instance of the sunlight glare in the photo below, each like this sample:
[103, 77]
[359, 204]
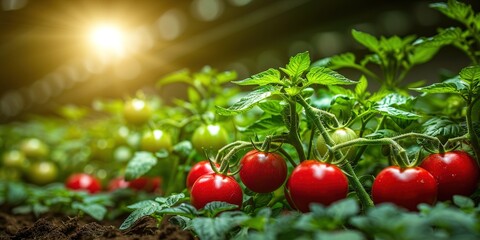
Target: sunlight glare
[108, 39]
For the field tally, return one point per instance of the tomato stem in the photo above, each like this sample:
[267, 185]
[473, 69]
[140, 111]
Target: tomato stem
[472, 135]
[293, 136]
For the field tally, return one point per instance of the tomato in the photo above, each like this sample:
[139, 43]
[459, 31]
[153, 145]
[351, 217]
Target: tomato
[316, 182]
[83, 182]
[215, 187]
[209, 138]
[137, 111]
[338, 136]
[42, 172]
[406, 187]
[117, 183]
[147, 184]
[156, 140]
[456, 173]
[262, 172]
[13, 159]
[199, 169]
[34, 148]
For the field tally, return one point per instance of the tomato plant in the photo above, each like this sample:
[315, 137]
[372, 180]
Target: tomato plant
[156, 140]
[209, 138]
[137, 111]
[83, 182]
[215, 187]
[405, 187]
[456, 173]
[42, 172]
[199, 169]
[338, 136]
[262, 172]
[316, 182]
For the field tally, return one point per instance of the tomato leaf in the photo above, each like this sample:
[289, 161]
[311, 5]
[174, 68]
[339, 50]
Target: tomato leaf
[366, 40]
[273, 107]
[361, 87]
[266, 125]
[219, 227]
[454, 85]
[183, 209]
[170, 200]
[340, 235]
[225, 77]
[471, 73]
[140, 164]
[455, 10]
[444, 127]
[96, 211]
[326, 76]
[215, 207]
[270, 76]
[249, 101]
[444, 37]
[297, 65]
[142, 209]
[343, 210]
[463, 202]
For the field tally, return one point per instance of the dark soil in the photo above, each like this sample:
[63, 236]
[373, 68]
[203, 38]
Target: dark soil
[63, 227]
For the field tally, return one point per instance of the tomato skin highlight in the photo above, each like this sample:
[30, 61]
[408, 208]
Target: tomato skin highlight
[117, 183]
[406, 187]
[456, 172]
[83, 182]
[209, 138]
[316, 182]
[262, 172]
[199, 169]
[215, 187]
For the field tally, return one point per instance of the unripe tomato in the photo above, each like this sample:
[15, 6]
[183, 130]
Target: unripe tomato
[338, 136]
[137, 111]
[156, 140]
[83, 182]
[34, 148]
[262, 172]
[209, 138]
[147, 184]
[13, 159]
[406, 187]
[456, 173]
[316, 182]
[42, 172]
[215, 187]
[199, 169]
[117, 183]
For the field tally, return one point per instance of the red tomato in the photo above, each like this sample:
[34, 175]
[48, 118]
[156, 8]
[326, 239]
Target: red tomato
[406, 187]
[456, 173]
[215, 187]
[199, 169]
[148, 184]
[262, 172]
[117, 183]
[316, 182]
[83, 182]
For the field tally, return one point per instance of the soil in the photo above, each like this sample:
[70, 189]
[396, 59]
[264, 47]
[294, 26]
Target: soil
[64, 227]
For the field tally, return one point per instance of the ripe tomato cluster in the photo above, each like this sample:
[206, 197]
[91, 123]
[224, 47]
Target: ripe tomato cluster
[88, 183]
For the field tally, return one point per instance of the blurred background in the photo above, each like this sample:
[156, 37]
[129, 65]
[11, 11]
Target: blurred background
[55, 52]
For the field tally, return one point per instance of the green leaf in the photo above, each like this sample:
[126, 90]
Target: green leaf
[297, 65]
[443, 127]
[394, 99]
[326, 76]
[366, 40]
[463, 202]
[267, 125]
[170, 200]
[140, 164]
[96, 211]
[142, 209]
[422, 54]
[339, 235]
[273, 107]
[250, 100]
[183, 209]
[226, 76]
[179, 76]
[361, 86]
[183, 148]
[455, 10]
[342, 60]
[454, 85]
[219, 227]
[471, 73]
[344, 209]
[395, 112]
[444, 37]
[270, 76]
[261, 200]
[216, 207]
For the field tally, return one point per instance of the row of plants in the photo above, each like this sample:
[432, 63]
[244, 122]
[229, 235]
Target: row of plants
[296, 152]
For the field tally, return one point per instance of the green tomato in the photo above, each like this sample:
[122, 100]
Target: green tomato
[122, 154]
[137, 111]
[13, 159]
[34, 148]
[42, 172]
[156, 140]
[210, 137]
[338, 136]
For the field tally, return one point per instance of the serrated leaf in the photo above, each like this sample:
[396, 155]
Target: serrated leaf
[268, 125]
[454, 85]
[444, 37]
[250, 100]
[361, 86]
[342, 60]
[270, 76]
[297, 65]
[366, 40]
[344, 209]
[182, 210]
[217, 228]
[140, 164]
[170, 200]
[326, 76]
[455, 10]
[395, 112]
[442, 126]
[471, 73]
[96, 211]
[216, 207]
[273, 107]
[394, 99]
[142, 209]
